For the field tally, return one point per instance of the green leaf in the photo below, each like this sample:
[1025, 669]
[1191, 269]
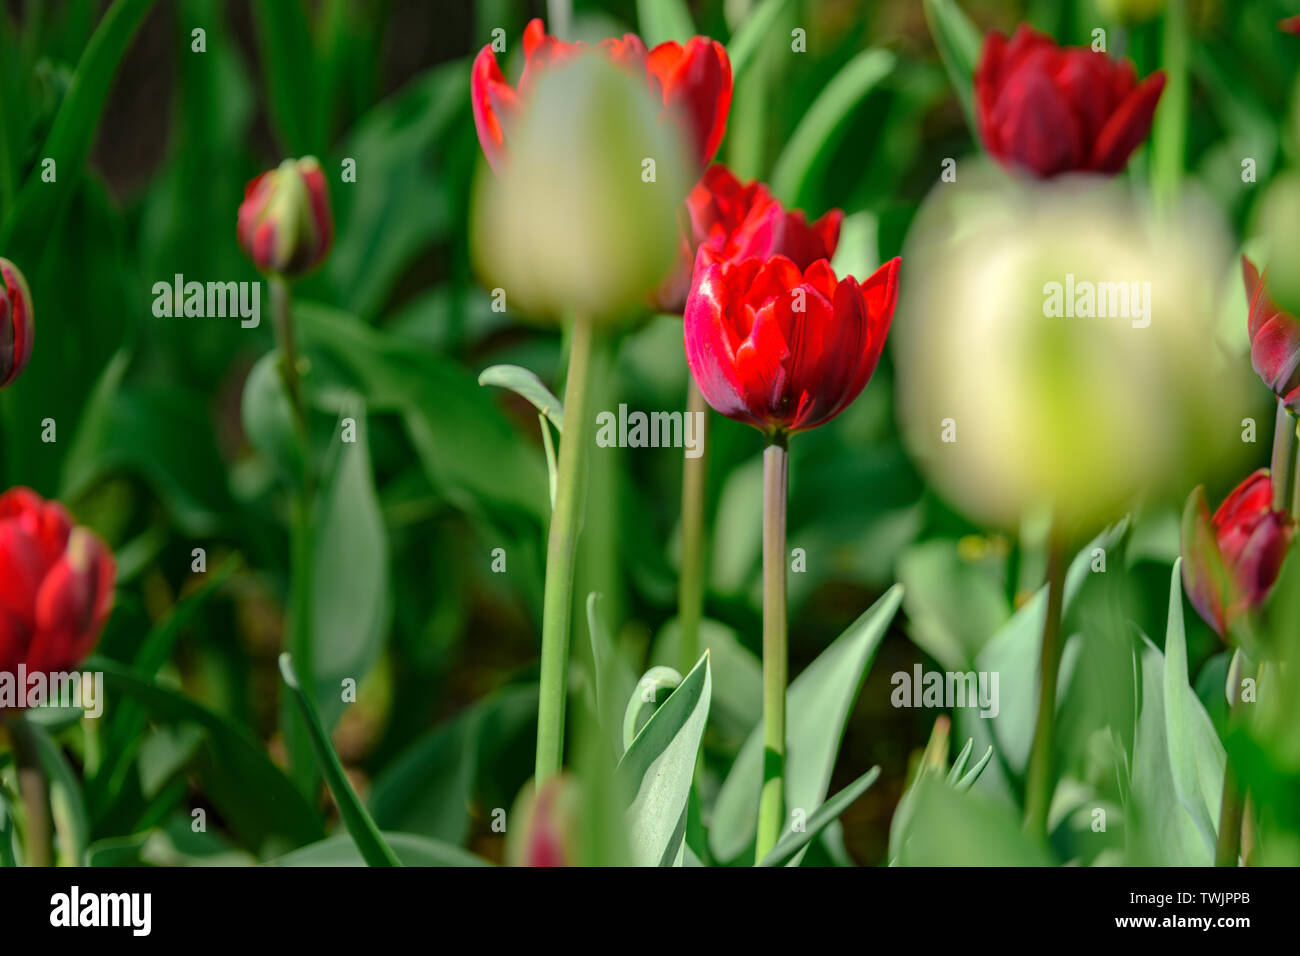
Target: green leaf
[792, 842]
[953, 606]
[411, 849]
[73, 131]
[658, 767]
[250, 791]
[288, 57]
[527, 385]
[1196, 758]
[7, 829]
[614, 680]
[818, 132]
[963, 829]
[350, 570]
[268, 418]
[362, 828]
[747, 40]
[817, 708]
[663, 20]
[653, 689]
[736, 670]
[958, 42]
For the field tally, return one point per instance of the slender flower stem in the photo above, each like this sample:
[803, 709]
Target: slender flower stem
[301, 543]
[557, 601]
[1232, 807]
[1284, 451]
[1038, 777]
[690, 593]
[34, 790]
[776, 665]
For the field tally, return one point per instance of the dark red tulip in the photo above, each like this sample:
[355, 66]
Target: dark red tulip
[1232, 560]
[693, 82]
[285, 225]
[1290, 25]
[727, 220]
[56, 585]
[1274, 339]
[1045, 109]
[782, 349]
[16, 323]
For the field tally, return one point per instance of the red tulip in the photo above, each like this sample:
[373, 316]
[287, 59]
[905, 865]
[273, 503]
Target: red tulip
[1047, 110]
[693, 81]
[285, 225]
[729, 221]
[16, 328]
[1290, 25]
[781, 349]
[1231, 561]
[56, 585]
[1274, 339]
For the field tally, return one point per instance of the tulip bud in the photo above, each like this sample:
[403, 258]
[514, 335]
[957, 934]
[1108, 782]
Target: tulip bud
[16, 325]
[545, 824]
[56, 585]
[1274, 339]
[1232, 560]
[285, 225]
[1046, 110]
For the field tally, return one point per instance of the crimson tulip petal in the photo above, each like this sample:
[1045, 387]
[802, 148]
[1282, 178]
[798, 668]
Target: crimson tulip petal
[1128, 126]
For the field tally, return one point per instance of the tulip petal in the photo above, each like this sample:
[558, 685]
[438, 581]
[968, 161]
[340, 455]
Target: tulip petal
[1128, 126]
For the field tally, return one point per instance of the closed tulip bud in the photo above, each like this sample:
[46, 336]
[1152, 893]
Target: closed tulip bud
[1290, 25]
[56, 585]
[16, 325]
[285, 225]
[784, 349]
[725, 220]
[1232, 560]
[1274, 339]
[548, 825]
[1046, 110]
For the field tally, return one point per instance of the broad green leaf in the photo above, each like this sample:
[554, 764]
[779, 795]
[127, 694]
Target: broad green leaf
[658, 768]
[653, 689]
[350, 570]
[958, 42]
[747, 40]
[268, 418]
[80, 467]
[73, 132]
[362, 828]
[1013, 654]
[614, 680]
[963, 829]
[291, 74]
[953, 606]
[1196, 757]
[792, 842]
[737, 675]
[252, 794]
[817, 708]
[818, 132]
[527, 385]
[411, 849]
[663, 20]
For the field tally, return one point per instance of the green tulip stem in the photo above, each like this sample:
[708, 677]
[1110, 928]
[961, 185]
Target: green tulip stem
[1232, 807]
[561, 549]
[690, 591]
[776, 665]
[1284, 449]
[1038, 776]
[34, 791]
[301, 545]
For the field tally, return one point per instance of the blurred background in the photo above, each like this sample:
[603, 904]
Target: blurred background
[151, 450]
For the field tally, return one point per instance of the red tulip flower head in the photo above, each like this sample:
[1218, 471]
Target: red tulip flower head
[693, 81]
[285, 225]
[1290, 25]
[16, 326]
[726, 220]
[1046, 110]
[785, 349]
[1274, 339]
[56, 585]
[1232, 560]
